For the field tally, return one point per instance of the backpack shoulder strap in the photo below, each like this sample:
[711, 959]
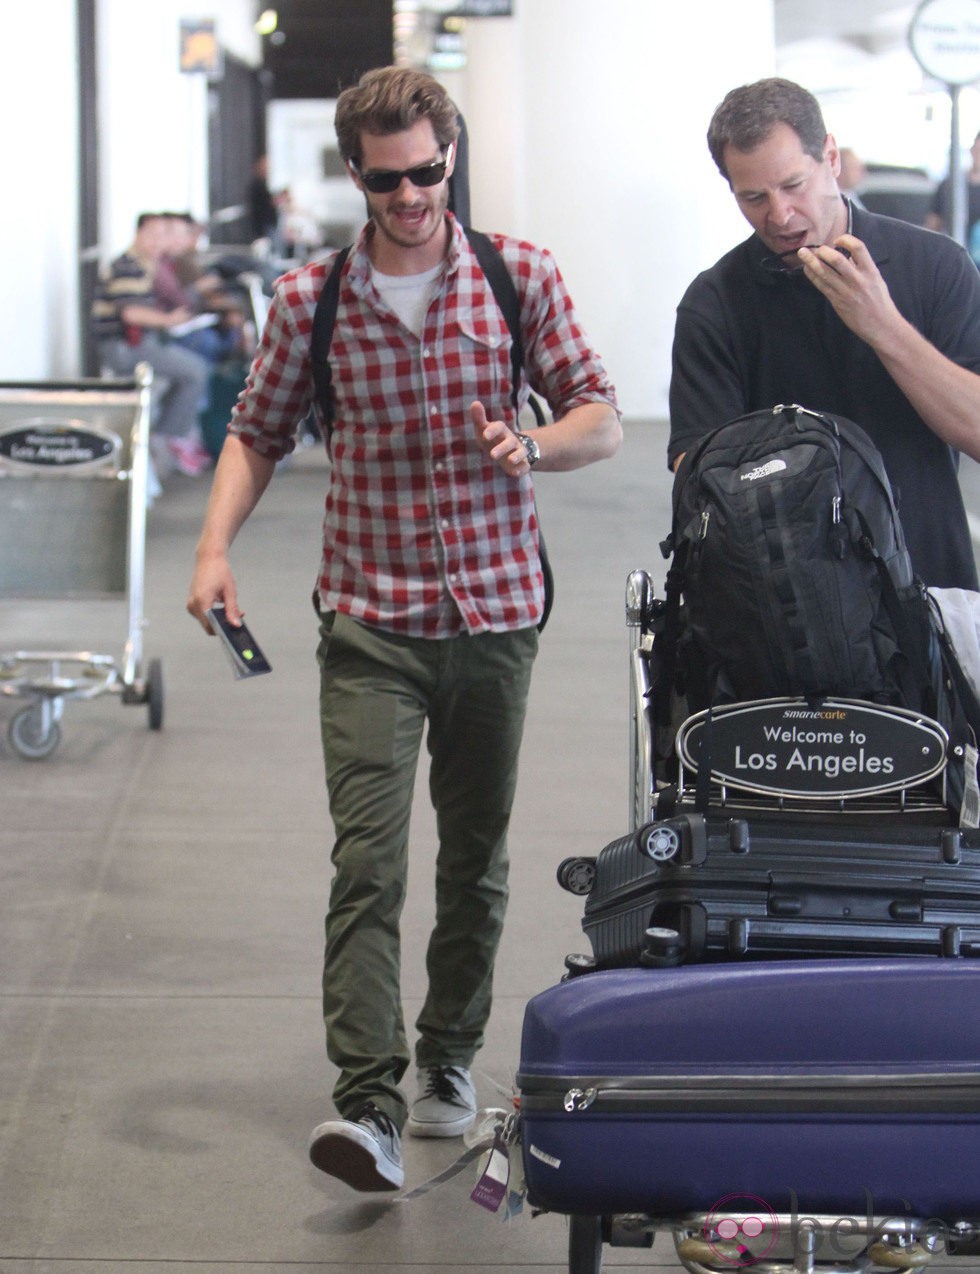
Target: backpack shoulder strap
[505, 294]
[324, 318]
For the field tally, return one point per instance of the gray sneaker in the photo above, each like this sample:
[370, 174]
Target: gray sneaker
[364, 1152]
[446, 1104]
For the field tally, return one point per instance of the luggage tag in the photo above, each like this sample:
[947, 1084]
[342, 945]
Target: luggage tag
[491, 1188]
[502, 1175]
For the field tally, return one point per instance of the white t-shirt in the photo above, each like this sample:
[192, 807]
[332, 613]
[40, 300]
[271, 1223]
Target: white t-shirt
[409, 295]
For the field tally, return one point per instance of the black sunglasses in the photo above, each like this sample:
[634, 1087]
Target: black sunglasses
[385, 181]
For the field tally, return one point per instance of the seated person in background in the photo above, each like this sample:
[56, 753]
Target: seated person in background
[132, 325]
[183, 279]
[837, 309]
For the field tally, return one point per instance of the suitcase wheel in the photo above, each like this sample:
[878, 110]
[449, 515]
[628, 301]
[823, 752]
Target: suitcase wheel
[576, 965]
[577, 875]
[662, 843]
[662, 948]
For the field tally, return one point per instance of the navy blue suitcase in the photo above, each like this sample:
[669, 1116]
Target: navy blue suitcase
[847, 1088]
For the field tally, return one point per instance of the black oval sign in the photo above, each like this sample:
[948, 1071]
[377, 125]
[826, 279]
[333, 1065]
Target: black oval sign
[57, 445]
[839, 748]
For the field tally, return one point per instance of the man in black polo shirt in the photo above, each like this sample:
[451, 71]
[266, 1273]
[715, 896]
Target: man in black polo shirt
[837, 309]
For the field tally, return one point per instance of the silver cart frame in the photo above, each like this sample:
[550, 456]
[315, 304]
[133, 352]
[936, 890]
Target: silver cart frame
[74, 462]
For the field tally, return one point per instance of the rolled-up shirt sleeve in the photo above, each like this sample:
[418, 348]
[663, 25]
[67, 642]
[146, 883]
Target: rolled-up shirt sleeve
[279, 389]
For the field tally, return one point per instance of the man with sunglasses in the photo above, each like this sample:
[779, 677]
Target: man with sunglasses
[837, 309]
[430, 590]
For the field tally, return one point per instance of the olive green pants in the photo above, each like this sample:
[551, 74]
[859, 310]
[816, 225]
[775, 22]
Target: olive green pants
[377, 691]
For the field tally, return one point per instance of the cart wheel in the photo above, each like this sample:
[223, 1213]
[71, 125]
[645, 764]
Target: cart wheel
[154, 694]
[705, 1253]
[584, 1245]
[28, 736]
[899, 1258]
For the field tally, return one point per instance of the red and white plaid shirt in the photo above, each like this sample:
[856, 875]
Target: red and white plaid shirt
[423, 534]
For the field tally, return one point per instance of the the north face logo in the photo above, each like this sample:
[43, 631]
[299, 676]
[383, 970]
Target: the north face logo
[763, 471]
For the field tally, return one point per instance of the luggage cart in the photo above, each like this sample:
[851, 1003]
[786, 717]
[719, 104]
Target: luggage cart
[708, 1220]
[74, 458]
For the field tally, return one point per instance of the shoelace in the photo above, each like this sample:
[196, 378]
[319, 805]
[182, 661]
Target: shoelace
[442, 1084]
[377, 1117]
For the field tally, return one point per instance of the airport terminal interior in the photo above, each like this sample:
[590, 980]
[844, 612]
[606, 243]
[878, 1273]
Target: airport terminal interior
[165, 864]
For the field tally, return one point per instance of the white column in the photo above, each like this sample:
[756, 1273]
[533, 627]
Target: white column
[38, 100]
[587, 130]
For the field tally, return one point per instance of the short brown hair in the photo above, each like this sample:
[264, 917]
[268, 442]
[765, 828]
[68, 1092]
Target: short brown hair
[389, 100]
[747, 116]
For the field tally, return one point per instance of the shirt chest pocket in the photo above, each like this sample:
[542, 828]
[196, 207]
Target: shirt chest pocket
[481, 368]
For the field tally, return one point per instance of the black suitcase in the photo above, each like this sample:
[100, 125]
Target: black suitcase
[692, 889]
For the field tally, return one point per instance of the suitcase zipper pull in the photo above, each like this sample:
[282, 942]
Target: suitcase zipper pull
[579, 1099]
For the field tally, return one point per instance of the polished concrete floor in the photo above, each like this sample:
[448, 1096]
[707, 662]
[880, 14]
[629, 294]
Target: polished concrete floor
[161, 900]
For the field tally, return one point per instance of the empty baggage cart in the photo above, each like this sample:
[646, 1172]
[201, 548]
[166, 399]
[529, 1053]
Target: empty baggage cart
[74, 463]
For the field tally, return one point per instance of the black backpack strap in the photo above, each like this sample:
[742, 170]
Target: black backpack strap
[324, 318]
[505, 294]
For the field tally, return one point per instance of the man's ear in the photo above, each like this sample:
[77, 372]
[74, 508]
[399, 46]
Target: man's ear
[352, 173]
[831, 153]
[451, 163]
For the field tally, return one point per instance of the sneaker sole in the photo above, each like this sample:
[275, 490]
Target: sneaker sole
[442, 1127]
[345, 1157]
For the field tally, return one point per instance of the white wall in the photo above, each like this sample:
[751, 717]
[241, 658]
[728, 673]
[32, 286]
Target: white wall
[153, 150]
[587, 130]
[298, 133]
[153, 118]
[587, 126]
[38, 109]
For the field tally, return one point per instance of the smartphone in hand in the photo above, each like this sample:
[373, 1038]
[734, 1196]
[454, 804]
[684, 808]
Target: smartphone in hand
[247, 660]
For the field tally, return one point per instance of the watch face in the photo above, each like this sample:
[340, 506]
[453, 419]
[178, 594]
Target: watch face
[531, 448]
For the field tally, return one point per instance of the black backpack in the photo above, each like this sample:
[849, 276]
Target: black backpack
[791, 564]
[790, 577]
[505, 293]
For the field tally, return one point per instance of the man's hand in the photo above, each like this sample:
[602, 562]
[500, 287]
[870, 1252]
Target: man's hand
[946, 395]
[501, 444]
[848, 277]
[212, 584]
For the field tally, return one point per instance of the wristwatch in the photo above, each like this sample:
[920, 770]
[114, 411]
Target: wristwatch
[531, 449]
